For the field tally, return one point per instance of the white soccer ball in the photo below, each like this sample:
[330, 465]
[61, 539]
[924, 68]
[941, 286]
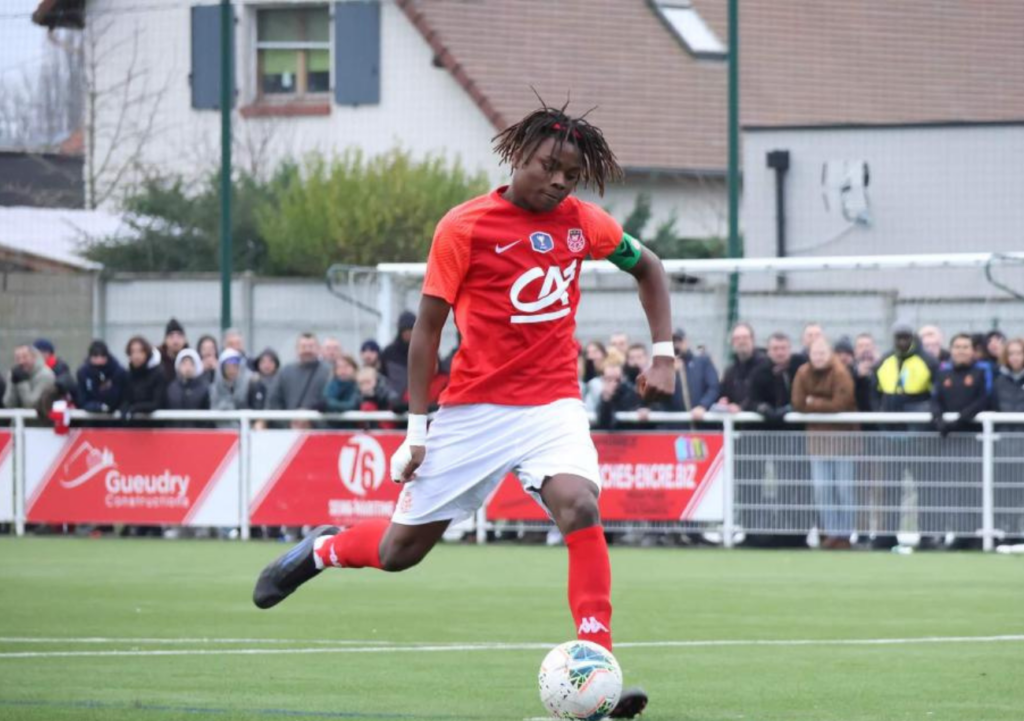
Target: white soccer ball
[580, 680]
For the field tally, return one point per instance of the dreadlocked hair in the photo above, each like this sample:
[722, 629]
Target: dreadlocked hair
[517, 143]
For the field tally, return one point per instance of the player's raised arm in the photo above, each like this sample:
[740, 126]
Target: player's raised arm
[660, 378]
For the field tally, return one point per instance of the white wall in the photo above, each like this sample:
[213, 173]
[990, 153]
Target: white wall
[422, 109]
[931, 190]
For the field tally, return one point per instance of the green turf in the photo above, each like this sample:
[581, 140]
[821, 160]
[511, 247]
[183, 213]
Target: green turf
[65, 588]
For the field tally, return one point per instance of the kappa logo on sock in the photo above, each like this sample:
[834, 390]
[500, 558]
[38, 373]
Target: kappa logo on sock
[592, 625]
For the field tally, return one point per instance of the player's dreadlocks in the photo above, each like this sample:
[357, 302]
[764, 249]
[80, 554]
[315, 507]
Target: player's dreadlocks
[518, 142]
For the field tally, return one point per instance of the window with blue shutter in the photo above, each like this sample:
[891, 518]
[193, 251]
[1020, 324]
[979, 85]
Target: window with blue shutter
[357, 52]
[205, 76]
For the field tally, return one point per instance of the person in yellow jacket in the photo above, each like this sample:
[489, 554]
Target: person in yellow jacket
[904, 377]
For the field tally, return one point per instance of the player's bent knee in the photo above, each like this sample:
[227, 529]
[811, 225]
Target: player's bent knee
[578, 513]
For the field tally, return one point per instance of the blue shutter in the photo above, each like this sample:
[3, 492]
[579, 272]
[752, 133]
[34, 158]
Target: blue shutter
[205, 76]
[357, 52]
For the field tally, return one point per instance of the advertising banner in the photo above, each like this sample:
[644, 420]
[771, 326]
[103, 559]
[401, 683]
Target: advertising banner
[667, 477]
[177, 477]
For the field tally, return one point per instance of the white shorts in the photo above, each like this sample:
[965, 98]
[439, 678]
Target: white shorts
[471, 448]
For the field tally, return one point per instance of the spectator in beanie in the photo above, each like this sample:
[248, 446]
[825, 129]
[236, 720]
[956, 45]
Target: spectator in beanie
[933, 342]
[1009, 386]
[636, 362]
[230, 389]
[369, 354]
[342, 394]
[101, 380]
[862, 384]
[29, 382]
[174, 342]
[771, 385]
[209, 356]
[904, 378]
[617, 394]
[144, 387]
[395, 358]
[267, 365]
[188, 391]
[959, 388]
[65, 379]
[698, 380]
[745, 360]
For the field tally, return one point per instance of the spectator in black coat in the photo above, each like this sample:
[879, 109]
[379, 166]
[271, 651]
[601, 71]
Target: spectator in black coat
[394, 361]
[369, 354]
[174, 342]
[1009, 386]
[209, 356]
[61, 370]
[267, 365]
[188, 391]
[144, 387]
[636, 362]
[697, 385]
[960, 387]
[745, 360]
[617, 394]
[100, 380]
[375, 394]
[771, 385]
[863, 385]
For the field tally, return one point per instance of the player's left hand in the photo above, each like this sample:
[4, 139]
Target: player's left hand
[659, 380]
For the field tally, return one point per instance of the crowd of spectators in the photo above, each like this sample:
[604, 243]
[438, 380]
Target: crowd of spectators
[212, 375]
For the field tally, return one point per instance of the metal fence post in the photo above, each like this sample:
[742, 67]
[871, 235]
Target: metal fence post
[19, 475]
[988, 442]
[728, 513]
[244, 468]
[481, 525]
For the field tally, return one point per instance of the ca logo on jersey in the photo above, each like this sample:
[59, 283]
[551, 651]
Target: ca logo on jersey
[537, 290]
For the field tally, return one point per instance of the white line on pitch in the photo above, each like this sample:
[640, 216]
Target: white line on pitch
[449, 648]
[185, 641]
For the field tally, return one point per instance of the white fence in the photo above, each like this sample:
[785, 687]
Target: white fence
[901, 479]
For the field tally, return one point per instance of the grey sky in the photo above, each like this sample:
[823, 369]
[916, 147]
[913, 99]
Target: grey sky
[21, 42]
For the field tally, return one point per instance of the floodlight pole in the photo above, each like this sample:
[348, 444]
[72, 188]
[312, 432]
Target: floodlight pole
[734, 155]
[227, 50]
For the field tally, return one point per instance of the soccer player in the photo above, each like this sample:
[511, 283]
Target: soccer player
[509, 264]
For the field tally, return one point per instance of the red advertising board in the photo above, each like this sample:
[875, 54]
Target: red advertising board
[644, 476]
[131, 476]
[339, 478]
[5, 445]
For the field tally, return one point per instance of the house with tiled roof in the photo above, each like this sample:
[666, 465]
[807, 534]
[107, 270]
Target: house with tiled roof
[860, 120]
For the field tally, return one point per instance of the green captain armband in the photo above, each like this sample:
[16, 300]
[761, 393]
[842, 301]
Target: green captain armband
[627, 255]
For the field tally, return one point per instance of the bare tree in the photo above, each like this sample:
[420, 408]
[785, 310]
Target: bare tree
[122, 110]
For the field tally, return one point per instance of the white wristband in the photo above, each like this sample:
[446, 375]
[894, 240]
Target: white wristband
[664, 348]
[416, 434]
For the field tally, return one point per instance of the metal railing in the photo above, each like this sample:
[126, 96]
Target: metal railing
[778, 481]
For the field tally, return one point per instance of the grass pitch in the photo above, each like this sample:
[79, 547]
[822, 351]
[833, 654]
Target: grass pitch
[149, 629]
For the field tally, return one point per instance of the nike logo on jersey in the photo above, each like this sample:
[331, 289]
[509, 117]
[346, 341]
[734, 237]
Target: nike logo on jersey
[499, 249]
[592, 625]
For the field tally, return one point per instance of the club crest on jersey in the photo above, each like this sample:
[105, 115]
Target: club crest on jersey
[575, 240]
[542, 242]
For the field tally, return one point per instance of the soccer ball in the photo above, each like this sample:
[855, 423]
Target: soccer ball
[580, 680]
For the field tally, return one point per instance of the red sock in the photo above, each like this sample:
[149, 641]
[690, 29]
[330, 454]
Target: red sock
[357, 547]
[590, 585]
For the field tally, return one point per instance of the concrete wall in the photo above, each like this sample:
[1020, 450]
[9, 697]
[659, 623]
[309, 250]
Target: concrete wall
[38, 305]
[930, 190]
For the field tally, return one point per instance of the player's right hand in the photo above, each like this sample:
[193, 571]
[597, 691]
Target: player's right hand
[405, 461]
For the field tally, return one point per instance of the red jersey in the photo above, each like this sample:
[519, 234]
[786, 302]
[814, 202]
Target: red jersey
[512, 277]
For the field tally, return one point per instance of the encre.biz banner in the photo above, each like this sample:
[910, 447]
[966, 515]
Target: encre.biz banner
[100, 475]
[6, 476]
[666, 477]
